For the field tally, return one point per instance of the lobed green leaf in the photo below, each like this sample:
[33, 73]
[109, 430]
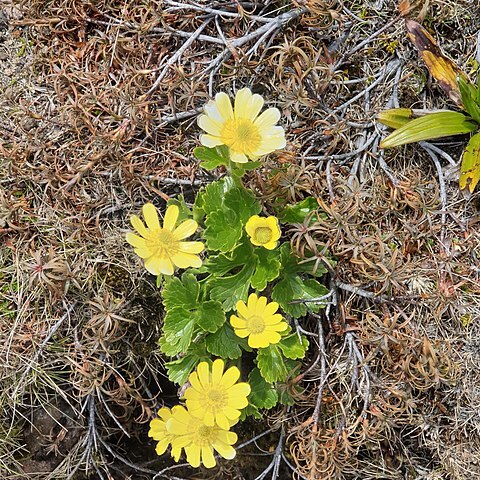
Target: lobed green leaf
[272, 364]
[263, 394]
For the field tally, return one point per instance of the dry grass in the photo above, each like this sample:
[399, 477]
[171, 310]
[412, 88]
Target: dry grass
[98, 112]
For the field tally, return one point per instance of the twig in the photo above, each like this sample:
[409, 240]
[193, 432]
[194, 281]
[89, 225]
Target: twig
[177, 56]
[439, 151]
[323, 371]
[443, 193]
[277, 457]
[391, 67]
[358, 47]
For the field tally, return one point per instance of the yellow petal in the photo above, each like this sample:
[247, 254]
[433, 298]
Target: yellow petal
[185, 260]
[185, 229]
[208, 459]
[138, 225]
[210, 141]
[279, 327]
[272, 337]
[261, 304]
[203, 372]
[158, 265]
[212, 112]
[238, 157]
[162, 446]
[241, 332]
[251, 225]
[209, 125]
[191, 247]
[252, 302]
[230, 377]
[269, 246]
[171, 216]
[217, 370]
[193, 455]
[232, 413]
[271, 308]
[195, 382]
[135, 240]
[272, 319]
[242, 103]
[208, 418]
[226, 451]
[258, 340]
[224, 105]
[222, 421]
[237, 322]
[268, 118]
[242, 309]
[238, 396]
[151, 216]
[255, 105]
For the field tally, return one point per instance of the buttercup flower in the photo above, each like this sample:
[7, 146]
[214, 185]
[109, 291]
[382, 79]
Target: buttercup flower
[158, 431]
[215, 396]
[246, 134]
[263, 231]
[162, 247]
[258, 321]
[199, 440]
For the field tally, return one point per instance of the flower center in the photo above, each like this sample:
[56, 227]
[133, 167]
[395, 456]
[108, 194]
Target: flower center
[263, 235]
[241, 135]
[205, 435]
[216, 400]
[162, 242]
[255, 324]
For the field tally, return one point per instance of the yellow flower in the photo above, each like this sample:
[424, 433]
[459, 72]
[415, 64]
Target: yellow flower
[246, 134]
[215, 396]
[158, 431]
[198, 439]
[263, 231]
[162, 247]
[258, 321]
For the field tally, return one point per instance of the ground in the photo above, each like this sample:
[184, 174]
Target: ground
[98, 116]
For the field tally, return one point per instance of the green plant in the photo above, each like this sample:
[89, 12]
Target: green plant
[206, 314]
[432, 125]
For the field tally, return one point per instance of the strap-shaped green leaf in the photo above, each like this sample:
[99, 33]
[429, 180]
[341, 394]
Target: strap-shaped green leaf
[395, 117]
[470, 168]
[434, 125]
[469, 93]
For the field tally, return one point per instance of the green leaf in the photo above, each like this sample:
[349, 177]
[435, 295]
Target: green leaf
[248, 166]
[263, 394]
[250, 411]
[212, 157]
[469, 92]
[184, 212]
[291, 346]
[223, 230]
[395, 117]
[229, 290]
[224, 343]
[272, 364]
[267, 268]
[313, 289]
[225, 262]
[243, 203]
[470, 168]
[209, 199]
[296, 213]
[181, 293]
[178, 329]
[210, 316]
[179, 370]
[290, 287]
[431, 126]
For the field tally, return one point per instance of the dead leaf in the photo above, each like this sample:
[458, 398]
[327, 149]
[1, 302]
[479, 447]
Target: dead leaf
[442, 68]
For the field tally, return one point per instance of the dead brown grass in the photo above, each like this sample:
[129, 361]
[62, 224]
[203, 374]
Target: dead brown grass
[100, 117]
